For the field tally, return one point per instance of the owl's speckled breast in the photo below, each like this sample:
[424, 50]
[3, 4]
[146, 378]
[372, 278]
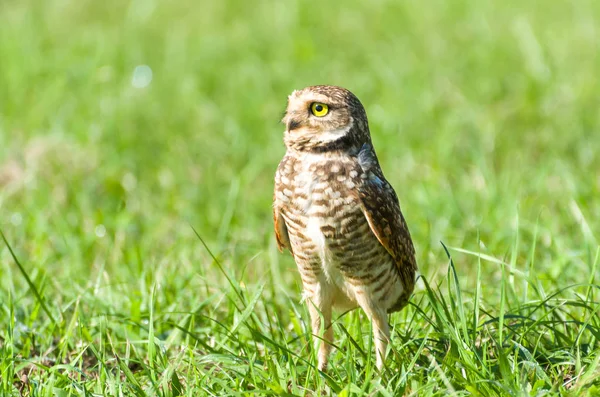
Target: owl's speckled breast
[329, 233]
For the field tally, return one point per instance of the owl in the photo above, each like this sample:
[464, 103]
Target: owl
[339, 217]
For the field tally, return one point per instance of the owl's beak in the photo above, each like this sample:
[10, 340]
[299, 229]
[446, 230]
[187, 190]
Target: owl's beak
[292, 124]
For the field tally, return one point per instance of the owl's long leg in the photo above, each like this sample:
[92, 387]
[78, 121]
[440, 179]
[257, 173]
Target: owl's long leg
[320, 305]
[381, 328]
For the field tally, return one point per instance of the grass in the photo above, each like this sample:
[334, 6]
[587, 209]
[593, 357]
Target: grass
[127, 127]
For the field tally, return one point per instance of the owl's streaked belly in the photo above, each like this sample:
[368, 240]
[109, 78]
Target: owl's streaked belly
[333, 245]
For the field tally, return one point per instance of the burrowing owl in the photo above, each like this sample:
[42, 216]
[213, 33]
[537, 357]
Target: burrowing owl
[339, 217]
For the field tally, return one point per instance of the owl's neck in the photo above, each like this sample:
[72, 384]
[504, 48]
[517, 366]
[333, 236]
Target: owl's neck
[346, 144]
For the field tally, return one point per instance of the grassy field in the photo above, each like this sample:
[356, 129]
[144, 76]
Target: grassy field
[127, 127]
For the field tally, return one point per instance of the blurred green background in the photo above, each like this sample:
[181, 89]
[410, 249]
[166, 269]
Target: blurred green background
[125, 123]
[479, 111]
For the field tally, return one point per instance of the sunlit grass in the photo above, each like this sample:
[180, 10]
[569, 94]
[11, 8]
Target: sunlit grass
[485, 118]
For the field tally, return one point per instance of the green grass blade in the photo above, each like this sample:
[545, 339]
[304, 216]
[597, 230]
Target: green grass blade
[32, 286]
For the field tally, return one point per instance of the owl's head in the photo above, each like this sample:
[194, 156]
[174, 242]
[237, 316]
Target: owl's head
[325, 118]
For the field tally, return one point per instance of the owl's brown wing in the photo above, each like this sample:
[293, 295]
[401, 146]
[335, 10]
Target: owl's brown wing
[281, 232]
[381, 207]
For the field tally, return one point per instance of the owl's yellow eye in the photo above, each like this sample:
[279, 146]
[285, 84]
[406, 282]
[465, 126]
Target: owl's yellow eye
[319, 109]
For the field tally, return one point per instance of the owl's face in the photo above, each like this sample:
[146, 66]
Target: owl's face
[322, 118]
